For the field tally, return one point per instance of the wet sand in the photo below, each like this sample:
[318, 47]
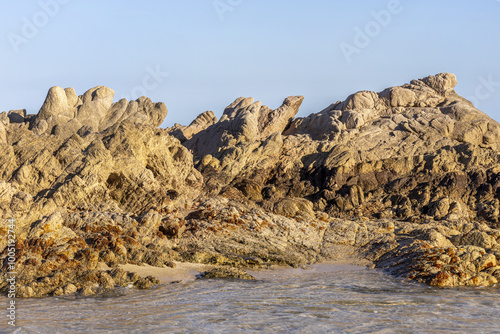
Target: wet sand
[188, 271]
[280, 272]
[181, 272]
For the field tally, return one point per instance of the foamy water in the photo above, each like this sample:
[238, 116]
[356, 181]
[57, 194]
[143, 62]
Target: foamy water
[325, 299]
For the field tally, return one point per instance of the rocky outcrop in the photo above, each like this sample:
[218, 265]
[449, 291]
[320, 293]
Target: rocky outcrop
[406, 178]
[244, 142]
[244, 121]
[64, 113]
[123, 168]
[455, 253]
[129, 168]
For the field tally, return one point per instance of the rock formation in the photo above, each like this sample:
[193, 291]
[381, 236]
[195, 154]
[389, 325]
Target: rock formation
[201, 122]
[407, 178]
[64, 113]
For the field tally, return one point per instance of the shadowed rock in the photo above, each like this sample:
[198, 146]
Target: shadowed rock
[201, 122]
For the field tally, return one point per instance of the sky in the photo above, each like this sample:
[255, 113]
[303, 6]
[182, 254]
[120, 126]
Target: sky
[200, 55]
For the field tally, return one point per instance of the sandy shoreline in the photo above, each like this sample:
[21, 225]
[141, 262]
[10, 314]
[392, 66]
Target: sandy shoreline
[188, 271]
[182, 271]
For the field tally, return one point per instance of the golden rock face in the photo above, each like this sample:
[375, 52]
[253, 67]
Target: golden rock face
[407, 178]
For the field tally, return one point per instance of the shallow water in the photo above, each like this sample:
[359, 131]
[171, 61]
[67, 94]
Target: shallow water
[325, 299]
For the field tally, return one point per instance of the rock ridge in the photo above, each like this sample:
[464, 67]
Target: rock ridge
[64, 113]
[408, 178]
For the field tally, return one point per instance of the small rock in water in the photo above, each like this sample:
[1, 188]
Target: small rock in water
[225, 272]
[146, 282]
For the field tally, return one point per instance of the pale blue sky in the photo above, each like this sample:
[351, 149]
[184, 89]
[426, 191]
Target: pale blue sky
[267, 49]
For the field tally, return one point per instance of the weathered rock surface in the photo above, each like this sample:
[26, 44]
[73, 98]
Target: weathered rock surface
[64, 113]
[201, 122]
[407, 178]
[247, 137]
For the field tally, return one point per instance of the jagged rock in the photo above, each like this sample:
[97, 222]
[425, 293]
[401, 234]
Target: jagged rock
[247, 137]
[114, 168]
[407, 178]
[387, 144]
[201, 122]
[245, 121]
[64, 113]
[479, 239]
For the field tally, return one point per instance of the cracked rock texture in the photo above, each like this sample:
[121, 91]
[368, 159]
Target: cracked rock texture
[407, 178]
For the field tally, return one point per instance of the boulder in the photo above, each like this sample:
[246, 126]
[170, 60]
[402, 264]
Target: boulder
[56, 103]
[479, 239]
[442, 83]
